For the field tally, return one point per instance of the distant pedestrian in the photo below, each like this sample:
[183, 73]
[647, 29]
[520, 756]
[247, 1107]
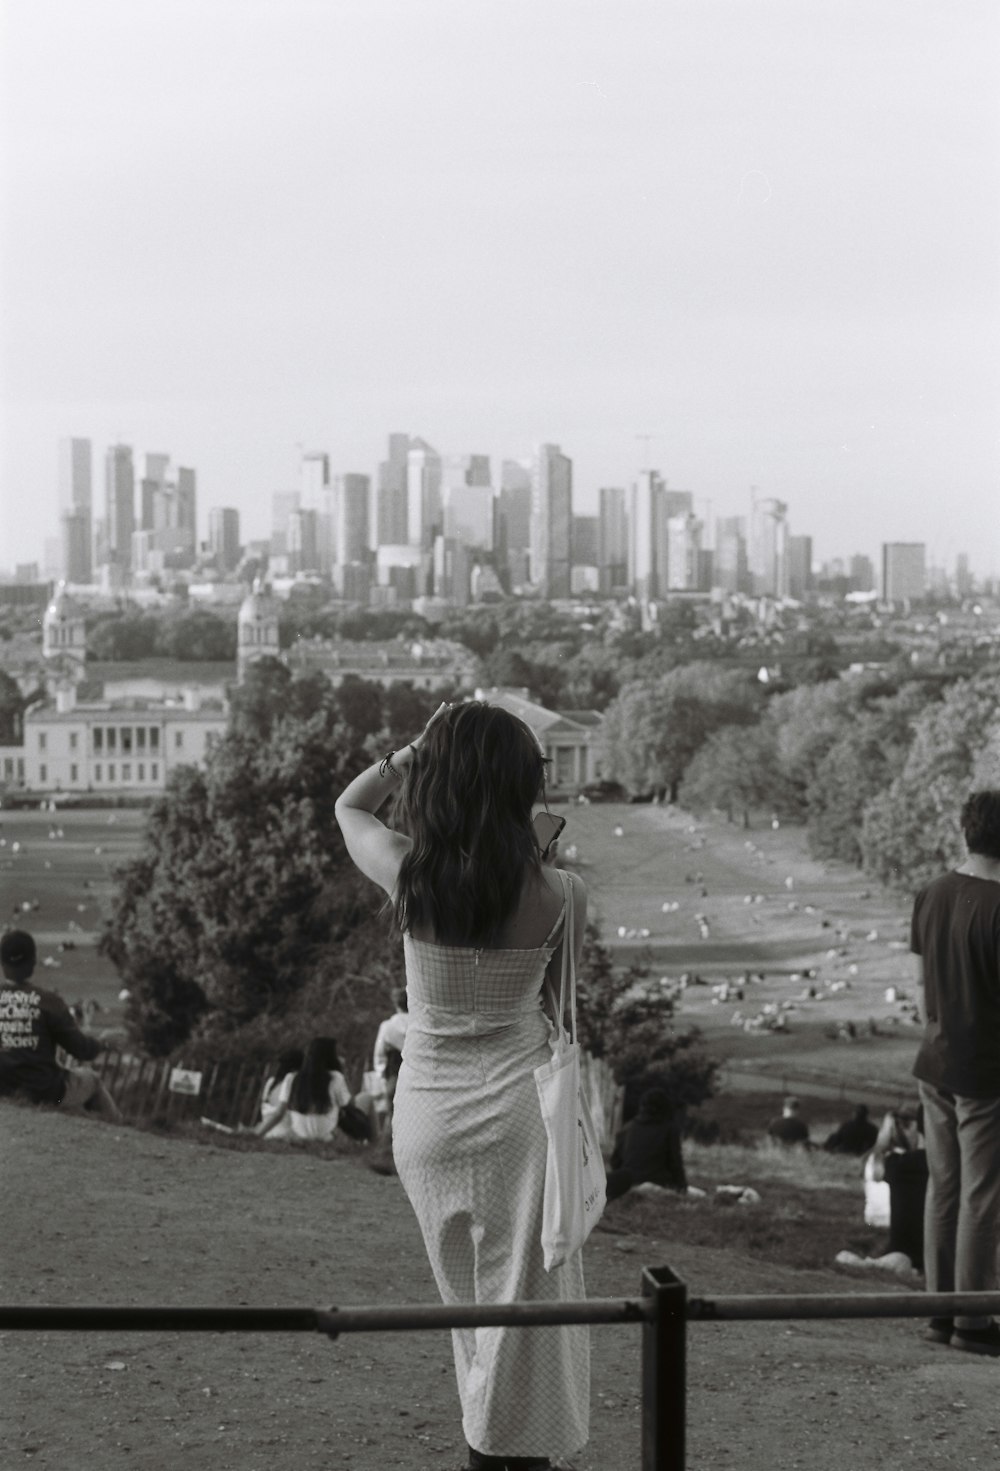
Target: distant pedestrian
[789, 1128]
[855, 1136]
[955, 934]
[33, 1023]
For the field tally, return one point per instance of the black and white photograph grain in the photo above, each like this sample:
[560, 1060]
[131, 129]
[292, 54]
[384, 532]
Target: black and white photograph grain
[499, 735]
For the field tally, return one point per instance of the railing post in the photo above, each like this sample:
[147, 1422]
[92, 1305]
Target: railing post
[664, 1353]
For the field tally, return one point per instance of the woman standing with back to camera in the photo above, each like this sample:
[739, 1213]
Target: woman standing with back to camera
[482, 923]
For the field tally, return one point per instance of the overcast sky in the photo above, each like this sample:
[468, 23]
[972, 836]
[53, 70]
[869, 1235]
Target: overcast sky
[765, 232]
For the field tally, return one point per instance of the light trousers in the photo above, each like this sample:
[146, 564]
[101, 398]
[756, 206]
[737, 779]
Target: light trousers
[962, 1207]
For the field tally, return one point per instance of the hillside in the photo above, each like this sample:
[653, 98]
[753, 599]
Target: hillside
[117, 1216]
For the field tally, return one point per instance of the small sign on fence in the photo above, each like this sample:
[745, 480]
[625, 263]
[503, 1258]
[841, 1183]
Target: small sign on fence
[184, 1080]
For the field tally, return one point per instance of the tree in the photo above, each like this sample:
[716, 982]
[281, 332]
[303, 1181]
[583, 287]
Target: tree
[859, 764]
[737, 770]
[122, 636]
[654, 727]
[910, 830]
[243, 891]
[628, 1018]
[198, 635]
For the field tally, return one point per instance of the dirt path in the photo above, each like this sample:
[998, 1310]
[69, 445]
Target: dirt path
[94, 1214]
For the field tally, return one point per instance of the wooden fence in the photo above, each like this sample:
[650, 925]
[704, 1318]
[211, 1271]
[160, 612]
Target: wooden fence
[230, 1092]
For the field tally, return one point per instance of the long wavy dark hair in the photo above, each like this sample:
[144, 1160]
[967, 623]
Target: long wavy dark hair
[466, 805]
[310, 1093]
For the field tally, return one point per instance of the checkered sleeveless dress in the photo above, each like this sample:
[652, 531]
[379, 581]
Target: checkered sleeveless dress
[470, 1148]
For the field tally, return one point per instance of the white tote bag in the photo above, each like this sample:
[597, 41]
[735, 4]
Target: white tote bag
[575, 1182]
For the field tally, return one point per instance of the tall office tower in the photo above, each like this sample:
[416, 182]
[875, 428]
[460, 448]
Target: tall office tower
[684, 533]
[647, 532]
[119, 501]
[550, 553]
[800, 556]
[904, 571]
[584, 541]
[612, 538]
[452, 571]
[769, 548]
[224, 537]
[963, 577]
[75, 546]
[862, 573]
[76, 509]
[186, 504]
[468, 500]
[303, 544]
[514, 510]
[423, 494]
[390, 501]
[317, 494]
[350, 537]
[731, 571]
[283, 503]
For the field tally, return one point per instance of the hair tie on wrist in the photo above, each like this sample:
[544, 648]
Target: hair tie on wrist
[385, 766]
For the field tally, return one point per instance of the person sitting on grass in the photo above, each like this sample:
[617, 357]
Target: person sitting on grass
[319, 1099]
[33, 1023]
[647, 1155]
[789, 1128]
[276, 1090]
[855, 1135]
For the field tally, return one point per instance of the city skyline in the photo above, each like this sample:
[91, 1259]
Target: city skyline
[77, 455]
[763, 252]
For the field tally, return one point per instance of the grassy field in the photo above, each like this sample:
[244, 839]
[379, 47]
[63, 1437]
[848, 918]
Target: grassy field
[707, 900]
[62, 867]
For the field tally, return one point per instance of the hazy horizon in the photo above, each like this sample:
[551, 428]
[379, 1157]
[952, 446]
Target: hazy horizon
[766, 236]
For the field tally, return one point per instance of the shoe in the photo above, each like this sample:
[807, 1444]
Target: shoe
[978, 1340]
[939, 1330]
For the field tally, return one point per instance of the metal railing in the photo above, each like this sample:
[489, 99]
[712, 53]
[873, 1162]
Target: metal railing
[663, 1309]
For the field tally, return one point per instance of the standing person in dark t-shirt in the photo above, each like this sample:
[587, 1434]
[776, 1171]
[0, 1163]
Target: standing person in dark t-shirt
[955, 935]
[33, 1023]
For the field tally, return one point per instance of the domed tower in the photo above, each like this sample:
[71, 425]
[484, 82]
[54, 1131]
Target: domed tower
[64, 633]
[257, 630]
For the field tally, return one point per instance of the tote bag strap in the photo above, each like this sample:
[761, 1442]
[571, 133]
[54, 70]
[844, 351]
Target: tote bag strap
[567, 980]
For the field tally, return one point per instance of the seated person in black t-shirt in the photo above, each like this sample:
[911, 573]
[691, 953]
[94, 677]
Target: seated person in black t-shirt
[647, 1151]
[789, 1128]
[33, 1023]
[855, 1136]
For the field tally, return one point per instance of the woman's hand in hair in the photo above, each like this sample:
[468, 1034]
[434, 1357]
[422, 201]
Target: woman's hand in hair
[417, 739]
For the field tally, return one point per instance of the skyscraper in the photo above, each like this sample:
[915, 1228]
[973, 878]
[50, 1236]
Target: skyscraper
[731, 572]
[119, 502]
[684, 534]
[423, 494]
[800, 554]
[303, 547]
[390, 502]
[551, 521]
[769, 548]
[904, 571]
[317, 495]
[612, 538]
[350, 537]
[647, 548]
[75, 506]
[224, 536]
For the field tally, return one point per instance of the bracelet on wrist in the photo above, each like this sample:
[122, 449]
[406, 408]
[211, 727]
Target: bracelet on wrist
[385, 766]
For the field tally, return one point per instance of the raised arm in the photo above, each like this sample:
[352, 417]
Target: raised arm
[375, 848]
